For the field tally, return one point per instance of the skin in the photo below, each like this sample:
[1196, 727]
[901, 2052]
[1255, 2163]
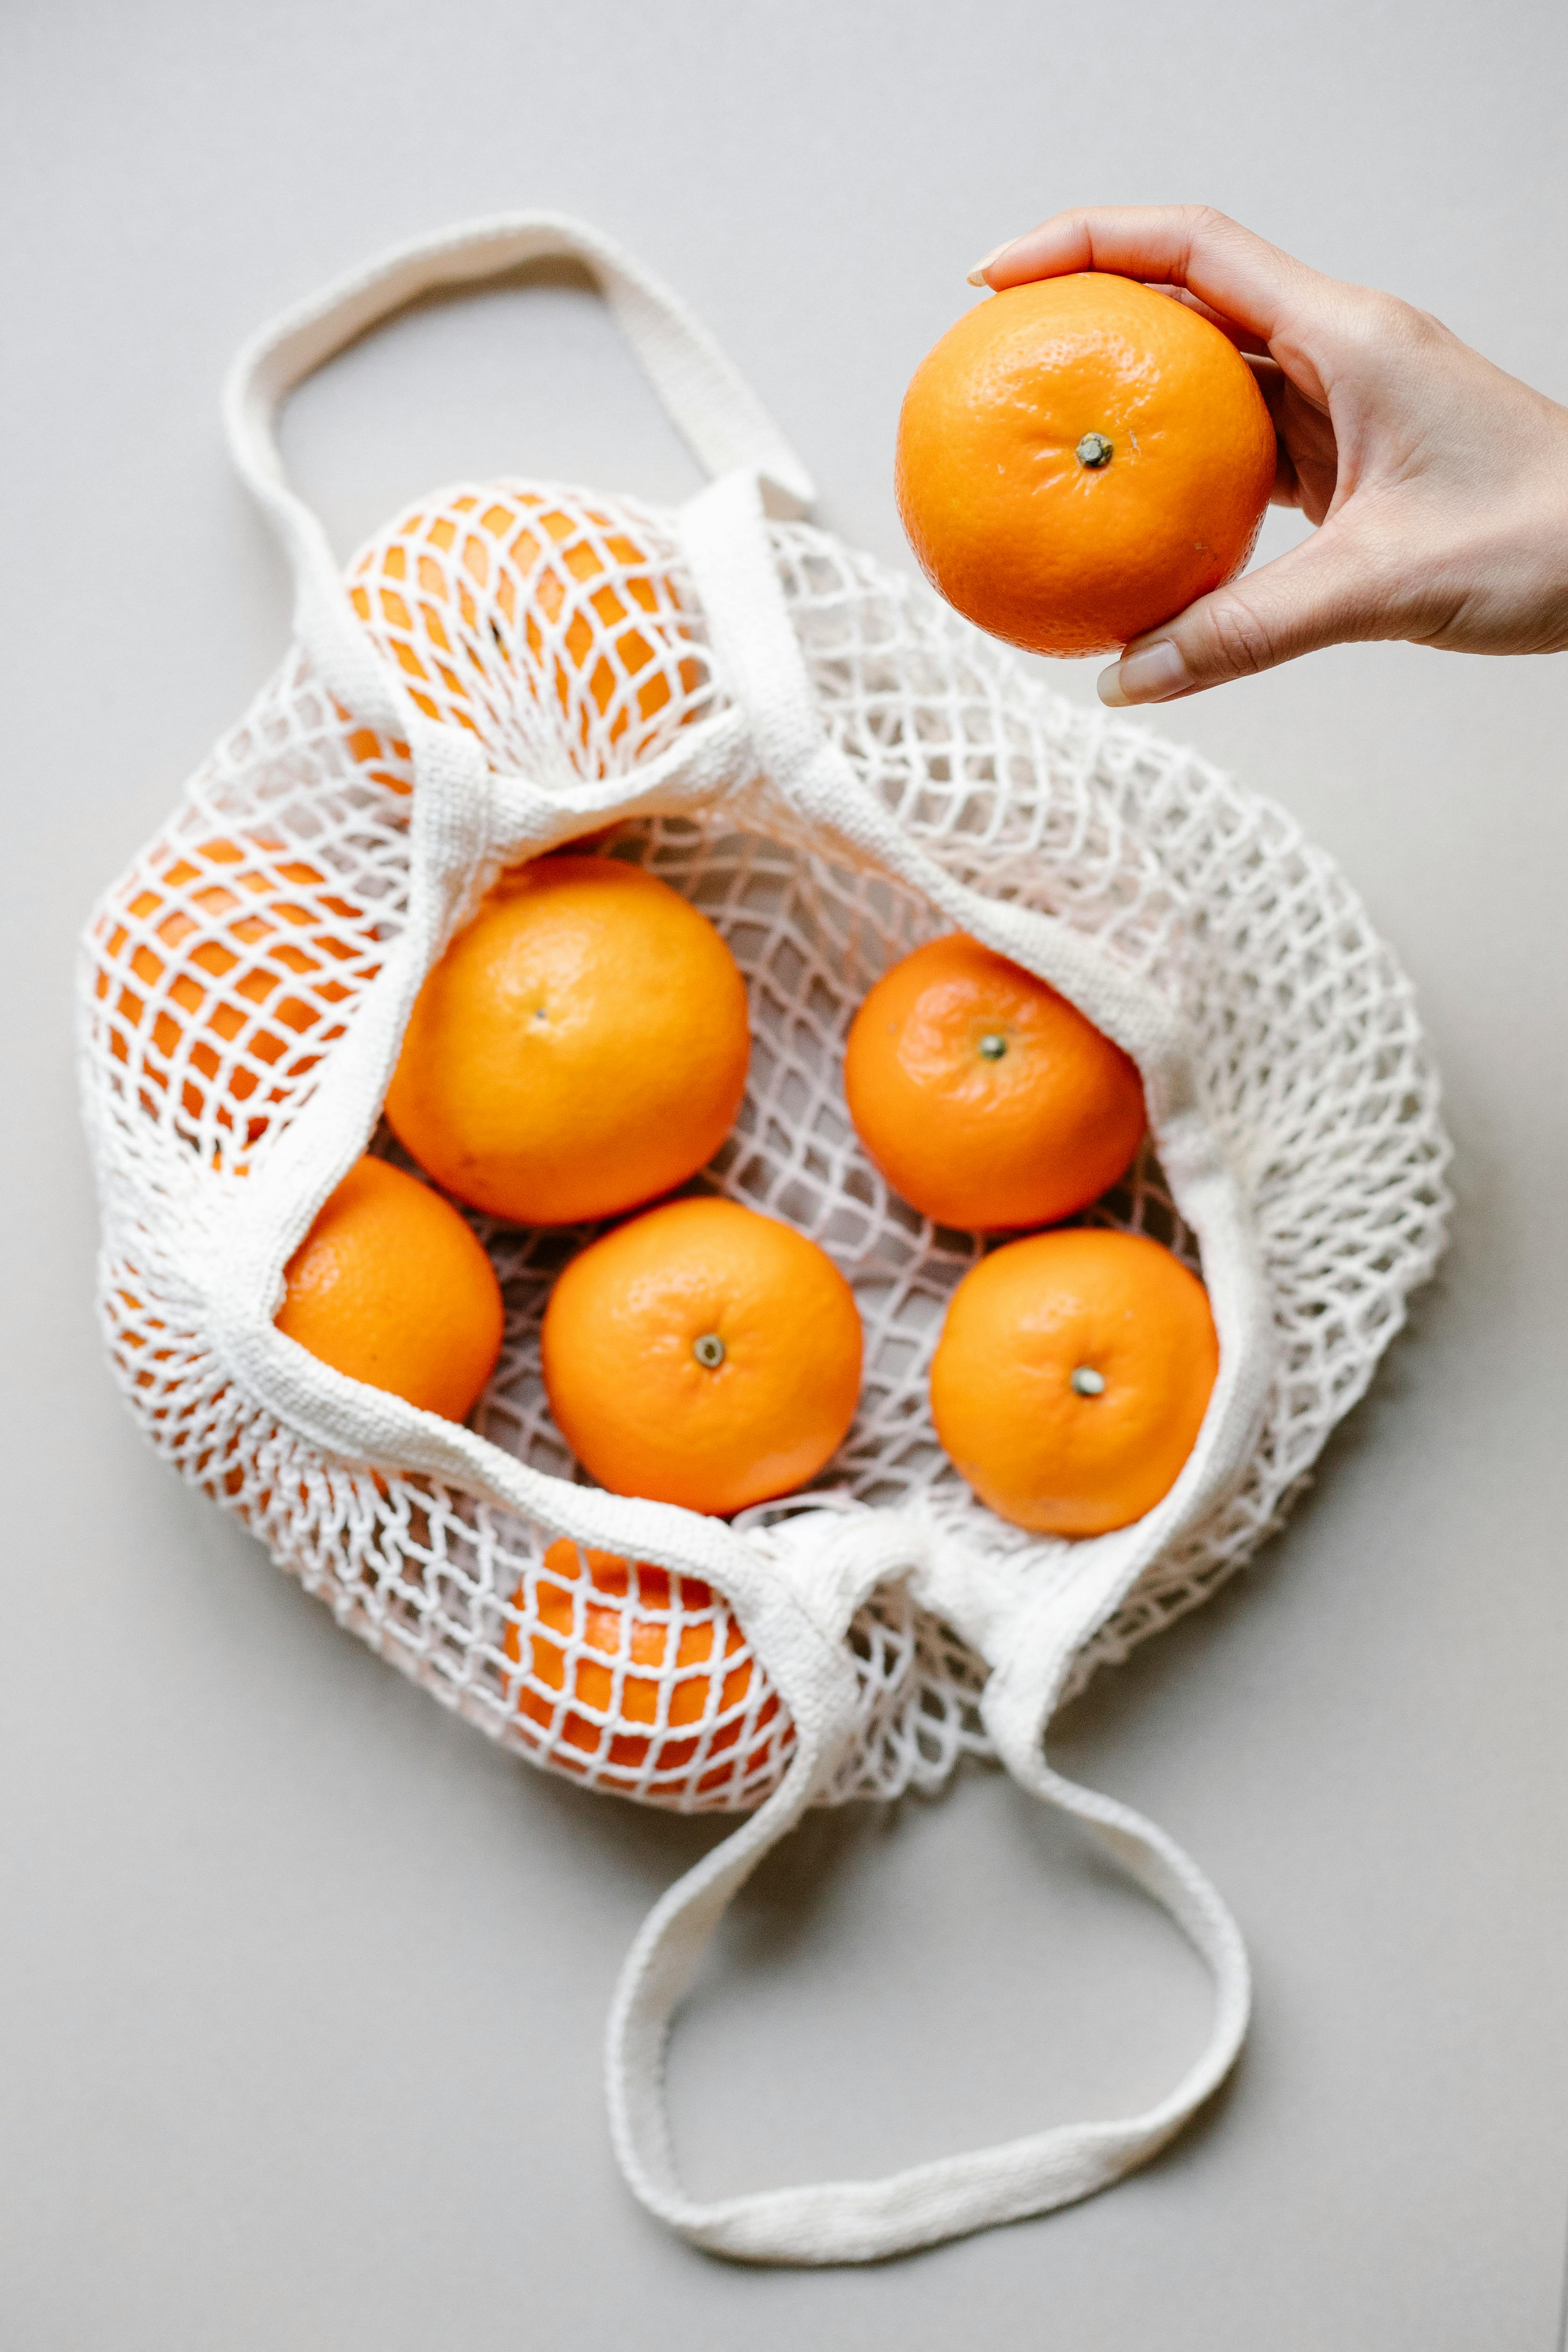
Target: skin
[1438, 484]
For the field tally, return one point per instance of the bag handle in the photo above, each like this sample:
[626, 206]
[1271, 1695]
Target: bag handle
[715, 411]
[1029, 1648]
[864, 2221]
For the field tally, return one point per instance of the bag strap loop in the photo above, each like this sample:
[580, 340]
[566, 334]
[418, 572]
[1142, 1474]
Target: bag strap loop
[864, 2221]
[717, 414]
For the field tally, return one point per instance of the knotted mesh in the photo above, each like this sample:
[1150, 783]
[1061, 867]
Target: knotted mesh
[559, 629]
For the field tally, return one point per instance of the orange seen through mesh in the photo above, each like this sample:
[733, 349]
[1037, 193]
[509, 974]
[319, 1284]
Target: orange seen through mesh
[1071, 1378]
[630, 1666]
[985, 1098]
[1080, 459]
[482, 595]
[226, 967]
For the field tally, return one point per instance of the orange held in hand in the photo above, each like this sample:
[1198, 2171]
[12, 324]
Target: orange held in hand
[702, 1354]
[983, 1096]
[390, 1287]
[621, 1648]
[580, 1048]
[1071, 1379]
[1081, 458]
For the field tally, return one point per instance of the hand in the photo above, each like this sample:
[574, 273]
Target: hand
[1439, 484]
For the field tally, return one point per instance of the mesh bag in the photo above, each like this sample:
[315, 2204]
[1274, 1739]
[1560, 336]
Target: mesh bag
[834, 768]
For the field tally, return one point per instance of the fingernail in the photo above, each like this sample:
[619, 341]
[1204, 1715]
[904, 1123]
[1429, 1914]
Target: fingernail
[977, 275]
[1152, 674]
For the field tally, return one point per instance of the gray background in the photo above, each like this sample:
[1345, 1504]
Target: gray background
[303, 1983]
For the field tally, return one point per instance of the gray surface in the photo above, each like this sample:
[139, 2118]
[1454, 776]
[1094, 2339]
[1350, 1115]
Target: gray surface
[303, 1983]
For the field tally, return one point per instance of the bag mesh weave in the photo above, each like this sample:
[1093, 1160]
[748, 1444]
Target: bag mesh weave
[560, 629]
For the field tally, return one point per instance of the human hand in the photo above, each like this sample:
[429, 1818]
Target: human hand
[1439, 483]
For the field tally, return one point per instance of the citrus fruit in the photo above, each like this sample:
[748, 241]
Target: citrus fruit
[983, 1096]
[702, 1354]
[390, 1287]
[581, 1047]
[630, 1655]
[226, 966]
[1071, 1378]
[1081, 458]
[484, 599]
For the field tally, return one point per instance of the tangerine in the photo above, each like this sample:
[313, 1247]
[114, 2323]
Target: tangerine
[473, 593]
[390, 1287]
[636, 1654]
[702, 1354]
[986, 1098]
[1071, 1378]
[227, 967]
[1081, 458]
[580, 1048]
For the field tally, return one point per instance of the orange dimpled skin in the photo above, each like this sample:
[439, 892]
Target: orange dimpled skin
[1071, 1379]
[985, 1098]
[580, 1048]
[622, 1647]
[390, 1287]
[702, 1354]
[1080, 459]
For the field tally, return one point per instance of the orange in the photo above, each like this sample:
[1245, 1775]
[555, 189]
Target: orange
[390, 1287]
[702, 1354]
[1081, 458]
[983, 1096]
[1071, 1378]
[614, 1639]
[474, 595]
[581, 1047]
[227, 966]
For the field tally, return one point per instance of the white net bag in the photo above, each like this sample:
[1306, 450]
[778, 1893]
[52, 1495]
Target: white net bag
[832, 767]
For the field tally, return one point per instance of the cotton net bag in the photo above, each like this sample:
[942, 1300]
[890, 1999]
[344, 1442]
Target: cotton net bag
[834, 768]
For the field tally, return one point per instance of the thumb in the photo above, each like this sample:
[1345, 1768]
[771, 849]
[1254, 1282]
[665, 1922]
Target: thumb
[1320, 592]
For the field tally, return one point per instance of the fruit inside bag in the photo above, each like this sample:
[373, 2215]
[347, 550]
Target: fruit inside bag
[833, 772]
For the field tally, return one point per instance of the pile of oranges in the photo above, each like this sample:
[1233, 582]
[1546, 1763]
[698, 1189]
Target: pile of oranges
[579, 1052]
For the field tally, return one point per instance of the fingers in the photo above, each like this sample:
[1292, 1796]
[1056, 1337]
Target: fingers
[1252, 346]
[1234, 273]
[1323, 593]
[1273, 385]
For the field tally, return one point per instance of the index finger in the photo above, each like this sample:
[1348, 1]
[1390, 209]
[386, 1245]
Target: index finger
[1226, 265]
